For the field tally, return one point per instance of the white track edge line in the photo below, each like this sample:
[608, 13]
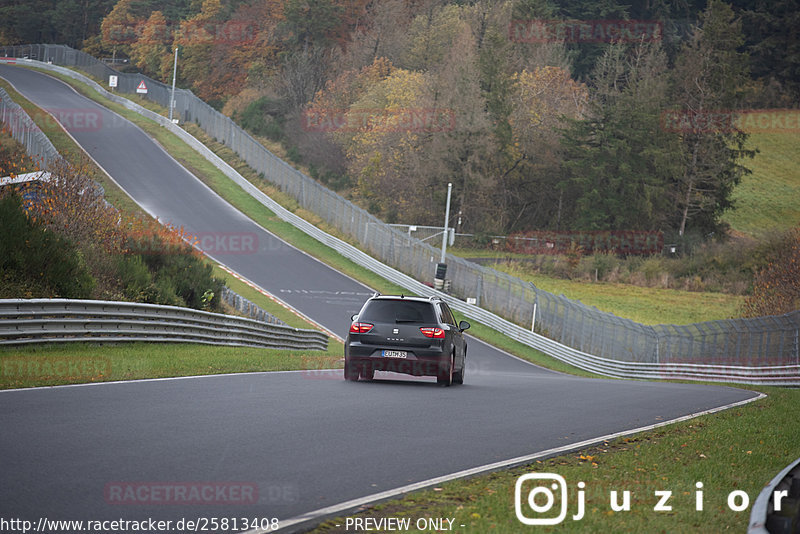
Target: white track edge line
[354, 503]
[161, 379]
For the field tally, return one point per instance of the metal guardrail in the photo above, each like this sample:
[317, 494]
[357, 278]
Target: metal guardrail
[242, 305]
[765, 517]
[30, 321]
[659, 366]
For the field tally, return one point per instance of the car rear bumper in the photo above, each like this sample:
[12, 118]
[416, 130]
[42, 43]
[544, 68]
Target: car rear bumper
[418, 361]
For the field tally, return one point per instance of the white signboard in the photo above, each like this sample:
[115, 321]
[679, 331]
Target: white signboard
[142, 89]
[112, 81]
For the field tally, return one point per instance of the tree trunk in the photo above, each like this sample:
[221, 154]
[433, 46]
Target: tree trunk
[690, 186]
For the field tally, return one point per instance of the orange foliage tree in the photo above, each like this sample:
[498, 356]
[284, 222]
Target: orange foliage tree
[220, 52]
[151, 51]
[776, 288]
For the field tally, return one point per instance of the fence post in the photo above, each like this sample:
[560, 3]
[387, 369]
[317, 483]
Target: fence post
[797, 346]
[658, 356]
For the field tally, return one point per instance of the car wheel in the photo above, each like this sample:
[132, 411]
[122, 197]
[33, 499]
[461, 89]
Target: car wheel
[350, 371]
[367, 372]
[458, 376]
[445, 377]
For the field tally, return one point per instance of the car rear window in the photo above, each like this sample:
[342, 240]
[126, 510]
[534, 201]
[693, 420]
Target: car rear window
[398, 311]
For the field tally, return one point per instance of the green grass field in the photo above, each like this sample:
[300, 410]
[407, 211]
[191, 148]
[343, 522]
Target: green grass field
[769, 198]
[646, 305]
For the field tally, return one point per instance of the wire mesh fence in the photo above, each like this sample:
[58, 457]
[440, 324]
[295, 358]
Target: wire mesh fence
[25, 131]
[766, 341]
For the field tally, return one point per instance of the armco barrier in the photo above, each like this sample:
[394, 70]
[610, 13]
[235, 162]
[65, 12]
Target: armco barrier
[241, 304]
[766, 517]
[30, 321]
[650, 365]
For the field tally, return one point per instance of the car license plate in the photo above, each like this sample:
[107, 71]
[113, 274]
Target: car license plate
[395, 354]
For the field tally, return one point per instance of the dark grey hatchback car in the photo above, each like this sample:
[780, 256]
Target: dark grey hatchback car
[410, 335]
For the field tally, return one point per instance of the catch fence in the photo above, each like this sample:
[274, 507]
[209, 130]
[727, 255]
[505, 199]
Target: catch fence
[22, 128]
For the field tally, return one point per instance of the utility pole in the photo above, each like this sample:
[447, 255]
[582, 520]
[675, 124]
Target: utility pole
[174, 75]
[446, 222]
[441, 267]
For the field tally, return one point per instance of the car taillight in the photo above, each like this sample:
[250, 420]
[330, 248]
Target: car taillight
[360, 328]
[435, 333]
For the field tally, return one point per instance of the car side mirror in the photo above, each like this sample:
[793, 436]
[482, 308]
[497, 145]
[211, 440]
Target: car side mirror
[353, 317]
[463, 325]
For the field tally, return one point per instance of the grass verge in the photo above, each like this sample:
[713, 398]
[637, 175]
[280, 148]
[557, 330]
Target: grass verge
[50, 365]
[640, 303]
[766, 200]
[740, 449]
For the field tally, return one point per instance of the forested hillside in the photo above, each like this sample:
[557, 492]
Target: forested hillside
[574, 115]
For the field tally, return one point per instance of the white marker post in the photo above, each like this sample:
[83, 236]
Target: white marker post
[174, 74]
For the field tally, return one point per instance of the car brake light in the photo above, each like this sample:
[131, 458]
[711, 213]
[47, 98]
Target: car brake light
[360, 328]
[435, 333]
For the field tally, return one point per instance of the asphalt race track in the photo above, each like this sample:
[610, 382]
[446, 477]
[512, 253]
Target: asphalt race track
[279, 445]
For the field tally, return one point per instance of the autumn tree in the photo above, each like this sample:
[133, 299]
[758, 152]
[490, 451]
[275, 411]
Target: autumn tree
[776, 288]
[382, 33]
[119, 28]
[709, 74]
[462, 152]
[221, 50]
[431, 35]
[312, 32]
[541, 101]
[383, 140]
[309, 23]
[151, 50]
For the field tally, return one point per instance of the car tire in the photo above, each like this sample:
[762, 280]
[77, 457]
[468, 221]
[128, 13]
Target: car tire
[367, 372]
[458, 376]
[350, 372]
[445, 377]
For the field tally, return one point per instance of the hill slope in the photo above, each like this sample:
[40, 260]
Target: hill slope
[769, 199]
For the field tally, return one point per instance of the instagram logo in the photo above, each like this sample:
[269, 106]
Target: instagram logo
[540, 499]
